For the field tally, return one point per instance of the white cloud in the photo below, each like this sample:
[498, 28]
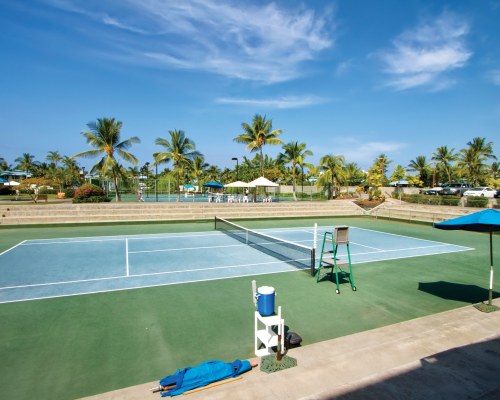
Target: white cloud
[285, 102]
[495, 76]
[364, 153]
[343, 68]
[267, 43]
[422, 57]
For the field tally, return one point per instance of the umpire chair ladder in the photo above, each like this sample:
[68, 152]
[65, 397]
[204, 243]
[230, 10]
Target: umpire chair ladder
[329, 259]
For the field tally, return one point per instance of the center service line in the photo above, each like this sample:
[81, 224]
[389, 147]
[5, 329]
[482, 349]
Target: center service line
[126, 257]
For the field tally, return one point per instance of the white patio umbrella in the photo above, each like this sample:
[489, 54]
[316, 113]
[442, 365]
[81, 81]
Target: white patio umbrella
[238, 184]
[263, 182]
[11, 183]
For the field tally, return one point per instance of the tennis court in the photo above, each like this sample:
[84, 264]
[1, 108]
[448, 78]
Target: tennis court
[48, 268]
[78, 345]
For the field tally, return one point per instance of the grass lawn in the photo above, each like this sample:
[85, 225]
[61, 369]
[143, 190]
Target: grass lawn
[71, 347]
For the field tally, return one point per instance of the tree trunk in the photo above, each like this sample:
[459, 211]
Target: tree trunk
[261, 160]
[117, 193]
[178, 185]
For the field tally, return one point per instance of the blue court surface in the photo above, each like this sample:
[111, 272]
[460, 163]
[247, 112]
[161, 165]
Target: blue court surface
[38, 269]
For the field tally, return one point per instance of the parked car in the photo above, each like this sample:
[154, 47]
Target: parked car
[497, 194]
[480, 192]
[434, 191]
[455, 189]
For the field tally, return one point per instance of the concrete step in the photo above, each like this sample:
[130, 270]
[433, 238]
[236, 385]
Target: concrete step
[122, 212]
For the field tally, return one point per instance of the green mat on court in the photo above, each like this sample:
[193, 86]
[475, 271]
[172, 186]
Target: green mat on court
[71, 347]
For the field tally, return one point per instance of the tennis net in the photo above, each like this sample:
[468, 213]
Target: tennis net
[293, 253]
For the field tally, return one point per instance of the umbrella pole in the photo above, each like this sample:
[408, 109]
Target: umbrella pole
[490, 297]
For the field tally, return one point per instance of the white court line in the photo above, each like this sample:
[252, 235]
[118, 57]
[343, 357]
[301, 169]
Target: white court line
[368, 247]
[63, 282]
[403, 236]
[187, 248]
[411, 248]
[127, 271]
[413, 256]
[40, 242]
[143, 287]
[225, 267]
[12, 248]
[149, 274]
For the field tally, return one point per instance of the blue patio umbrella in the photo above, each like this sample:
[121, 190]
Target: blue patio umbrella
[189, 187]
[213, 185]
[482, 221]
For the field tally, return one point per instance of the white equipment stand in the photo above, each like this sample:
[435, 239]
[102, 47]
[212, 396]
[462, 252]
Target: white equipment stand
[265, 335]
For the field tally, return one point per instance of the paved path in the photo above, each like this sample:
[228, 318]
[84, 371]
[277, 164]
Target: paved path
[451, 355]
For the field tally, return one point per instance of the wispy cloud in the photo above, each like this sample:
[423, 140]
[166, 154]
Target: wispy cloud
[343, 68]
[495, 76]
[267, 43]
[280, 103]
[421, 57]
[355, 150]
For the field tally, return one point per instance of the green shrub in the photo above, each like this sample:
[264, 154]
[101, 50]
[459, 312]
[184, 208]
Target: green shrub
[374, 193]
[45, 190]
[69, 193]
[433, 200]
[450, 200]
[88, 193]
[477, 201]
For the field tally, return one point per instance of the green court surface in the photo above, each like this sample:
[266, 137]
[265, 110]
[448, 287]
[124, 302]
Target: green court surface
[71, 347]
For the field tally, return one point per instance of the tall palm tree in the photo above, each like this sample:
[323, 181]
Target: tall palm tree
[352, 173]
[53, 157]
[445, 158]
[213, 173]
[333, 175]
[198, 169]
[259, 134]
[294, 153]
[180, 150]
[26, 162]
[383, 162]
[420, 165]
[104, 136]
[3, 164]
[473, 159]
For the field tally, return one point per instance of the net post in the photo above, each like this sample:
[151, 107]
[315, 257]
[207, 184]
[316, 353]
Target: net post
[215, 223]
[315, 238]
[313, 261]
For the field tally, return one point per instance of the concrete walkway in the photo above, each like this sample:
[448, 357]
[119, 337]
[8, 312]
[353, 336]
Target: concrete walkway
[451, 355]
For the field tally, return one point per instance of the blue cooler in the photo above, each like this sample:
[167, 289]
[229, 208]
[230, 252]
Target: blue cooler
[265, 300]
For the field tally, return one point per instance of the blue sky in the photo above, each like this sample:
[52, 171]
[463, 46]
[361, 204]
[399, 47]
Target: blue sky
[349, 77]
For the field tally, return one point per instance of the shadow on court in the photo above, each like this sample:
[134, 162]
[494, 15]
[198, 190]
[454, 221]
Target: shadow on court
[468, 372]
[456, 291]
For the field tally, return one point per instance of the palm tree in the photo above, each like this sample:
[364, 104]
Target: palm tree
[420, 165]
[333, 167]
[53, 157]
[445, 158]
[383, 162]
[26, 162]
[104, 136]
[352, 175]
[3, 164]
[474, 157]
[180, 150]
[213, 173]
[294, 153]
[198, 169]
[259, 134]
